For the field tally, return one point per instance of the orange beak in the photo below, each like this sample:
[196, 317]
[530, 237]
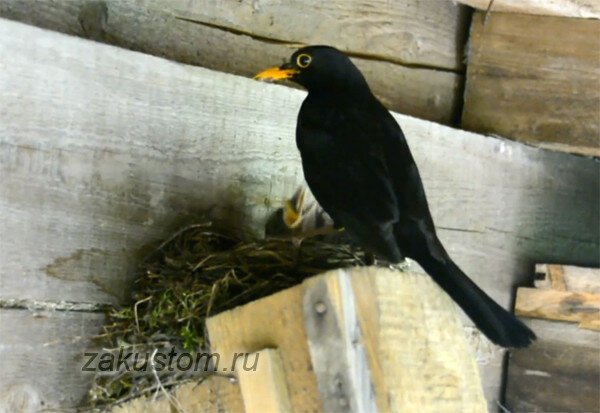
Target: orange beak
[275, 73]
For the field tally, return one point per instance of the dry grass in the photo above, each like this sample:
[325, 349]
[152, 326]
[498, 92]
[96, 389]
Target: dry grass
[196, 273]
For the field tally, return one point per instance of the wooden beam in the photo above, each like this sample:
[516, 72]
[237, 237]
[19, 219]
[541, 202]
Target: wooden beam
[263, 383]
[579, 307]
[564, 8]
[338, 348]
[429, 33]
[339, 333]
[533, 79]
[427, 86]
[567, 277]
[558, 373]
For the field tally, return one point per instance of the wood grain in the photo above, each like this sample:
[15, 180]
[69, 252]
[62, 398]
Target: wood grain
[428, 93]
[579, 307]
[271, 322]
[264, 388]
[426, 32]
[534, 79]
[434, 369]
[580, 279]
[42, 355]
[565, 8]
[558, 373]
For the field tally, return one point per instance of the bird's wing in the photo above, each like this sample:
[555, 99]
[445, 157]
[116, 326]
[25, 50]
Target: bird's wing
[347, 172]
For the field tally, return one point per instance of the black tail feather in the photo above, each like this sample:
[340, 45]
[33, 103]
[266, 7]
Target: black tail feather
[500, 326]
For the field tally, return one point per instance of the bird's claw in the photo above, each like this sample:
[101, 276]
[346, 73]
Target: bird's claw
[403, 266]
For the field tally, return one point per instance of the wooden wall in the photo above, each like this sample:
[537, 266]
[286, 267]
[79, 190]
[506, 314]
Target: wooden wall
[535, 79]
[410, 50]
[105, 151]
[565, 8]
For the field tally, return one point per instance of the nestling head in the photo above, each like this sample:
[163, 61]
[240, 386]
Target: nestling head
[317, 68]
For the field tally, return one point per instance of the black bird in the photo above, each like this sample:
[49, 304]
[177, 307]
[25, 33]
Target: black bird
[357, 163]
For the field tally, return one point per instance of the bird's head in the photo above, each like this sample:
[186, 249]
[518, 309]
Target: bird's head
[317, 68]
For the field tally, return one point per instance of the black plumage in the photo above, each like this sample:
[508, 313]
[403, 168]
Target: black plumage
[359, 167]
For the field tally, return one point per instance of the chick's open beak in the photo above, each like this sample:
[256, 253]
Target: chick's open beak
[276, 73]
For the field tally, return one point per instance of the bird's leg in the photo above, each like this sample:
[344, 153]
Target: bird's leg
[369, 258]
[402, 265]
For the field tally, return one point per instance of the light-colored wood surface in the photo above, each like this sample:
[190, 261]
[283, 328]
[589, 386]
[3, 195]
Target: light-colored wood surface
[420, 340]
[262, 382]
[535, 79]
[566, 8]
[432, 93]
[272, 322]
[105, 151]
[579, 307]
[361, 343]
[567, 277]
[42, 355]
[338, 347]
[213, 394]
[558, 373]
[429, 32]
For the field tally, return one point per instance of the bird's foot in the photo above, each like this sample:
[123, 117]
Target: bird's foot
[403, 266]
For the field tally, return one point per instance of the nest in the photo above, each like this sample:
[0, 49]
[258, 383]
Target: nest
[196, 273]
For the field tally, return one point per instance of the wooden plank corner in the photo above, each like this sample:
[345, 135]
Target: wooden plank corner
[579, 307]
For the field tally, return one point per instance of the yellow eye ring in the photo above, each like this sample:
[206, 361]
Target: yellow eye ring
[303, 60]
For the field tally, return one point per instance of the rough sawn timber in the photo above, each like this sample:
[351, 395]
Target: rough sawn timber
[535, 79]
[42, 355]
[566, 8]
[339, 332]
[429, 85]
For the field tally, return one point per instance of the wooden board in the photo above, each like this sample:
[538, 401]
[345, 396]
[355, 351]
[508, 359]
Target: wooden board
[339, 332]
[559, 373]
[565, 8]
[422, 87]
[263, 387]
[567, 277]
[117, 149]
[42, 356]
[429, 33]
[272, 322]
[534, 79]
[579, 307]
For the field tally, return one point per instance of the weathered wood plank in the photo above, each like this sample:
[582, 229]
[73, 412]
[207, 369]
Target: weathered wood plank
[580, 279]
[341, 338]
[428, 93]
[101, 163]
[264, 387]
[579, 307]
[42, 356]
[558, 373]
[275, 321]
[534, 79]
[565, 8]
[429, 32]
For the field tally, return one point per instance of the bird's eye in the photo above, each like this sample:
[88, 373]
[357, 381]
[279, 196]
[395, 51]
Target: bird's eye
[303, 60]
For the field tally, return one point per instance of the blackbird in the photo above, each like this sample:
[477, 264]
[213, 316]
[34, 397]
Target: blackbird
[359, 167]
